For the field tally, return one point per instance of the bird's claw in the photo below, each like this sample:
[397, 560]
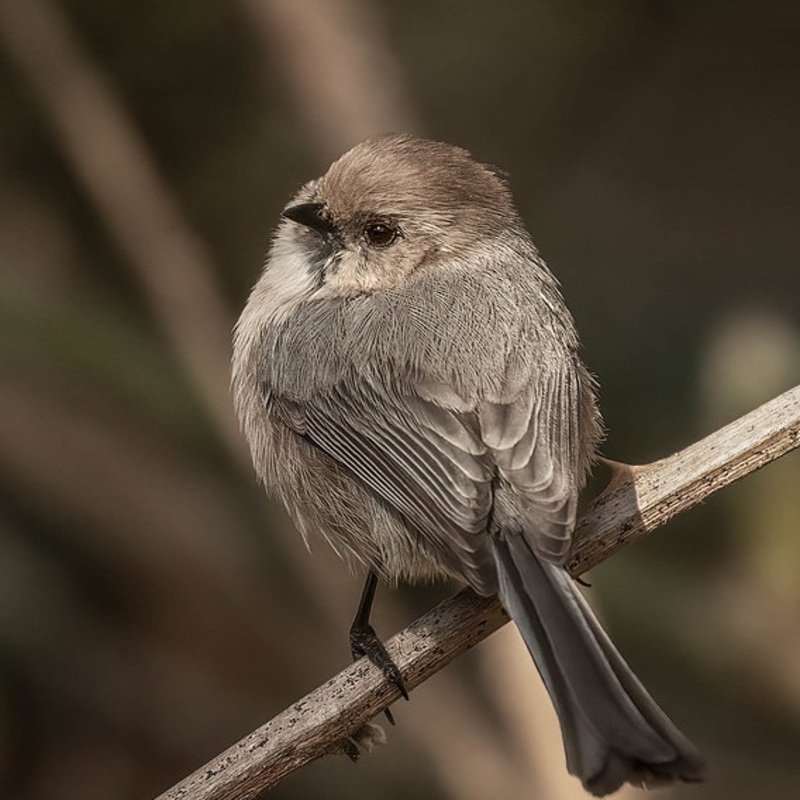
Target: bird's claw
[365, 642]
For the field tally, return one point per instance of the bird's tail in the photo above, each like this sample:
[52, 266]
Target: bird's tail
[614, 732]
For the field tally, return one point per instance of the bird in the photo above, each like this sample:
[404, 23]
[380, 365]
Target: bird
[409, 380]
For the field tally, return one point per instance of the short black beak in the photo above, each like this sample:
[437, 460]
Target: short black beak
[312, 215]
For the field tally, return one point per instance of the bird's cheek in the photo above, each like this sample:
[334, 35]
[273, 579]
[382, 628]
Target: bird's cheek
[352, 274]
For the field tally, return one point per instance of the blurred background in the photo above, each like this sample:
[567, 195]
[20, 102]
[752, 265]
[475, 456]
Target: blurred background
[154, 606]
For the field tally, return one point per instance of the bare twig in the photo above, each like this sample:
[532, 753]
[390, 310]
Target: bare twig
[646, 499]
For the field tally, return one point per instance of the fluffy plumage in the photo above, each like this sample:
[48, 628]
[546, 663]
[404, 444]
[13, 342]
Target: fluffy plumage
[422, 404]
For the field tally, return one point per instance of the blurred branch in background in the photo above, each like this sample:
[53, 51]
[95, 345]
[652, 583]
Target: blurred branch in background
[336, 67]
[754, 594]
[117, 171]
[639, 500]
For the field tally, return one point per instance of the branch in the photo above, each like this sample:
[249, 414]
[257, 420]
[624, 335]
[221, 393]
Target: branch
[640, 500]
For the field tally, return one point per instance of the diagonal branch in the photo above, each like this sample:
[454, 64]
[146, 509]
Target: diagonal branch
[639, 501]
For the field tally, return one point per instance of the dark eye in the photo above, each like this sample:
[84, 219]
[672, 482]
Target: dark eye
[380, 234]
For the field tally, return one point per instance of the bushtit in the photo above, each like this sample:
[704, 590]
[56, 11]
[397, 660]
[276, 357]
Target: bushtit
[407, 376]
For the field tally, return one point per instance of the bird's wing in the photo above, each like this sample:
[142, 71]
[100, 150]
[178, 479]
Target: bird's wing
[425, 461]
[433, 460]
[534, 442]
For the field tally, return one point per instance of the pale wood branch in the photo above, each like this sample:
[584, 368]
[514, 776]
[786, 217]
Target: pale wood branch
[640, 499]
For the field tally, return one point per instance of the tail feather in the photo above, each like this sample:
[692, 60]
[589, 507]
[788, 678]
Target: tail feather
[613, 730]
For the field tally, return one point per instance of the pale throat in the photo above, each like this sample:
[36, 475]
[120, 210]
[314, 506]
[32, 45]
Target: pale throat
[286, 283]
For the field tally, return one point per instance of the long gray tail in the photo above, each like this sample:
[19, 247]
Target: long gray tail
[613, 730]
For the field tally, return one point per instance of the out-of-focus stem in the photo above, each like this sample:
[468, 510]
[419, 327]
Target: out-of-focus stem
[338, 72]
[113, 164]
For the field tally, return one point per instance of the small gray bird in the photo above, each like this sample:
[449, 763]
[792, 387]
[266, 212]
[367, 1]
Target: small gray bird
[407, 376]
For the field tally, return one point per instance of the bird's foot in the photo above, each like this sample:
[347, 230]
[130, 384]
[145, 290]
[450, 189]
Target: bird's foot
[364, 740]
[365, 642]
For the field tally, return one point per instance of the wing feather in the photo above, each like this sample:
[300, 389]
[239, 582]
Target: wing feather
[437, 462]
[540, 465]
[416, 457]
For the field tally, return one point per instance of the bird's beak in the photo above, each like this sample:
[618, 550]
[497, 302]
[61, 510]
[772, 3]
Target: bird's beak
[312, 215]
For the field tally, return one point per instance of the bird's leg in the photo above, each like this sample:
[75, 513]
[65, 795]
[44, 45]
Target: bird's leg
[365, 642]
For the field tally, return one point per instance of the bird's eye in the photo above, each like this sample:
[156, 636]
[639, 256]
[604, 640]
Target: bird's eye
[380, 234]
